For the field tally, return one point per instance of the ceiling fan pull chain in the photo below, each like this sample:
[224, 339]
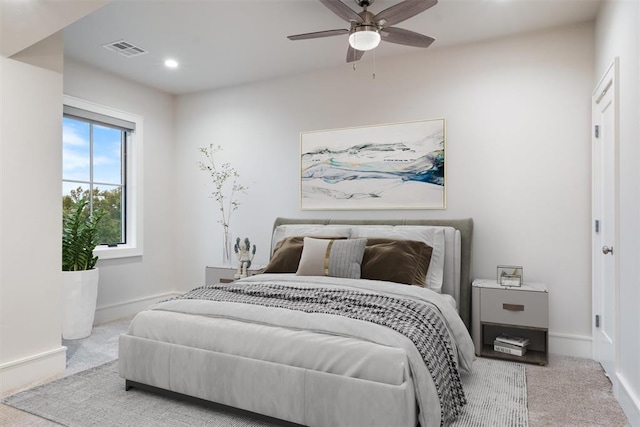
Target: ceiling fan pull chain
[374, 64]
[354, 60]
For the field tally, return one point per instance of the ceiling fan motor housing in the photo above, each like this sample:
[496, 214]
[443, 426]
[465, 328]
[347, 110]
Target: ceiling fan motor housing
[364, 27]
[364, 3]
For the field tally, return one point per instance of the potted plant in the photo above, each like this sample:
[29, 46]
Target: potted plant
[79, 273]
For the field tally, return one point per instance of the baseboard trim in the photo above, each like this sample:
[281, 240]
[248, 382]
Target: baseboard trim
[110, 312]
[629, 401]
[571, 345]
[22, 373]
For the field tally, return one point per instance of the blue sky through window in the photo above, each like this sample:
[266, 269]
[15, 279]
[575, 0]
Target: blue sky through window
[107, 154]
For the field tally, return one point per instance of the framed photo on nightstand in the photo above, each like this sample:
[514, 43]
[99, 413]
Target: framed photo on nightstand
[509, 275]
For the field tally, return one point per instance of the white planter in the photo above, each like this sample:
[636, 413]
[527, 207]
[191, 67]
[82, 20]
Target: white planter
[79, 297]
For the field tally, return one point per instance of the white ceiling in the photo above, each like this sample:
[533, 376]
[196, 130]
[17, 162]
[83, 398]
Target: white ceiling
[229, 42]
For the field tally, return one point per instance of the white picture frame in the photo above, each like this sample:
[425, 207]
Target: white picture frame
[510, 275]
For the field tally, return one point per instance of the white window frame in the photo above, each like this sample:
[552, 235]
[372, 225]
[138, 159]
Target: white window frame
[134, 190]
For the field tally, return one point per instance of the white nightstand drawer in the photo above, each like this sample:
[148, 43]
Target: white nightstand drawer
[514, 307]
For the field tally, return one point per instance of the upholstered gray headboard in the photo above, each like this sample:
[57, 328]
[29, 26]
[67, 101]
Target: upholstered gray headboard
[465, 226]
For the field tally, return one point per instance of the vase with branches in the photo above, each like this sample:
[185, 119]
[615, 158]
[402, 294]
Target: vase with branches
[225, 191]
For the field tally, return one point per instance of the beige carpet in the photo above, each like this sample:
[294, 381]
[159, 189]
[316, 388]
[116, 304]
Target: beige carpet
[570, 392]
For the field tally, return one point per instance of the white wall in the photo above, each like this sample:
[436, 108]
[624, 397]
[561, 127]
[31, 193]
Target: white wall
[30, 212]
[130, 284]
[617, 35]
[518, 156]
[25, 23]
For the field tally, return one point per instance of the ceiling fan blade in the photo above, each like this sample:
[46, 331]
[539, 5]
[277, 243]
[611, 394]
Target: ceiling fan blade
[354, 55]
[342, 10]
[406, 37]
[402, 11]
[318, 34]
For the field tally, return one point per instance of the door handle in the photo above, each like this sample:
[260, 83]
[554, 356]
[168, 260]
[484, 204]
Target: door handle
[607, 250]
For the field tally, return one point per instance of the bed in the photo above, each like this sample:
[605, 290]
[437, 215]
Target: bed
[333, 337]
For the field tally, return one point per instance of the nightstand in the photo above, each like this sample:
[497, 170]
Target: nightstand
[224, 273]
[518, 311]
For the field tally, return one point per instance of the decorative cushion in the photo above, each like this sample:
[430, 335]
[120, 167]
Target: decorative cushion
[287, 253]
[400, 261]
[432, 236]
[328, 257]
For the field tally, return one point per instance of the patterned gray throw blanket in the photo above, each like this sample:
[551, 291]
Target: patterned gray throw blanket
[419, 321]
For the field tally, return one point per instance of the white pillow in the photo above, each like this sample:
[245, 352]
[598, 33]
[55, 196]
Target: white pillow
[432, 236]
[311, 230]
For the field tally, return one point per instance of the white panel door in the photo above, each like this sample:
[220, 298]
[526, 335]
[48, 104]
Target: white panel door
[605, 207]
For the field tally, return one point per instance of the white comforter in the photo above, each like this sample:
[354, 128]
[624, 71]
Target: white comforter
[329, 343]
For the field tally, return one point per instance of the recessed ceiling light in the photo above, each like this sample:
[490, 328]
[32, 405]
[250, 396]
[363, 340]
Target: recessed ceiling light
[171, 63]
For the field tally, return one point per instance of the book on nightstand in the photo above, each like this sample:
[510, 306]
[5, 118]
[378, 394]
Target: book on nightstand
[515, 350]
[513, 341]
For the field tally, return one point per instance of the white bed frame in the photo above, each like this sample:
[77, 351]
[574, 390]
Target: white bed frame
[297, 395]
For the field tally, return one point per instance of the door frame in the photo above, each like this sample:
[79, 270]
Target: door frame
[609, 81]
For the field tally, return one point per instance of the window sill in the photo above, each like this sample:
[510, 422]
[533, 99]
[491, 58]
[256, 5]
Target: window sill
[122, 251]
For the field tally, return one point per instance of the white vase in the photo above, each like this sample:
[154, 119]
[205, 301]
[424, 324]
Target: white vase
[227, 248]
[79, 298]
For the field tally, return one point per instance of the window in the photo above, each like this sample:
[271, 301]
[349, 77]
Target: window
[101, 152]
[94, 154]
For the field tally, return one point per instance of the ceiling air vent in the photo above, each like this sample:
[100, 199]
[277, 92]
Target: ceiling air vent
[125, 48]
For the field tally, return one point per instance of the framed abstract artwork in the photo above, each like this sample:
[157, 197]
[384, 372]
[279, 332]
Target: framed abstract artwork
[390, 166]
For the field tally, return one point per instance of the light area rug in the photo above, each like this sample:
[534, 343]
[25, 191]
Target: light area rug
[496, 394]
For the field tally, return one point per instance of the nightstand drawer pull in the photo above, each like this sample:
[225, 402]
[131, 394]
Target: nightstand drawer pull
[513, 307]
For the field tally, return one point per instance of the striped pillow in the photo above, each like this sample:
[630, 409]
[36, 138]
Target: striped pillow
[336, 258]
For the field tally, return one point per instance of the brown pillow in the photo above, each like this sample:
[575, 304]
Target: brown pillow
[400, 261]
[287, 253]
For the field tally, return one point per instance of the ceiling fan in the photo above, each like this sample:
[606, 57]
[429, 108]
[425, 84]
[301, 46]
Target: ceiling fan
[368, 29]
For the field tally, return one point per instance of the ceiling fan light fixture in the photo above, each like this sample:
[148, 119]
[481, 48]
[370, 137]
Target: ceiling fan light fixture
[364, 37]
